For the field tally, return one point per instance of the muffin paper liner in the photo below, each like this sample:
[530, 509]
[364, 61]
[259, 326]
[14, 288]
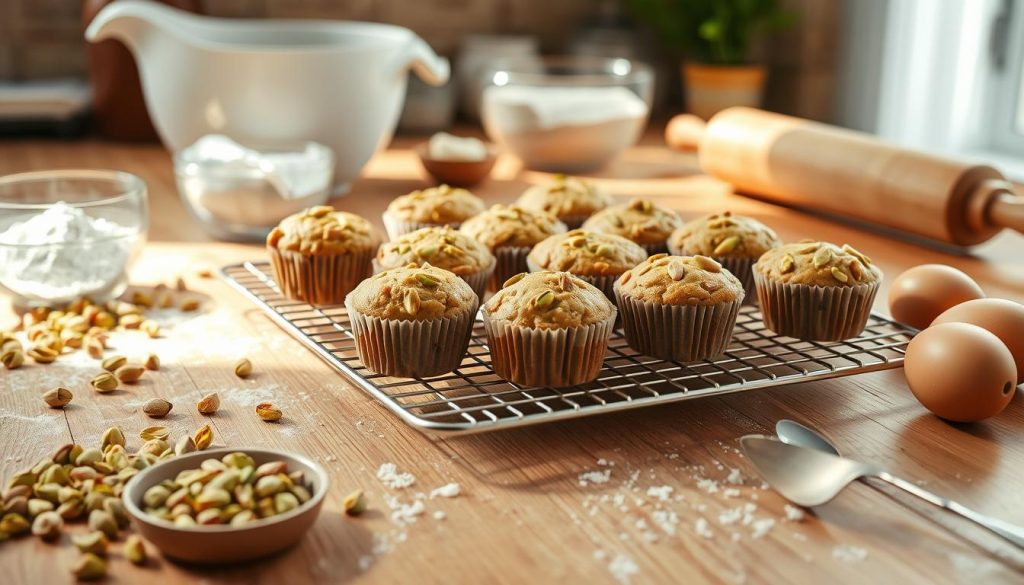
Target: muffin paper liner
[511, 260]
[411, 348]
[741, 268]
[684, 333]
[396, 227]
[605, 283]
[815, 313]
[476, 281]
[547, 357]
[319, 280]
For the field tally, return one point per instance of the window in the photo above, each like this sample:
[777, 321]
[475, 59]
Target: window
[1007, 49]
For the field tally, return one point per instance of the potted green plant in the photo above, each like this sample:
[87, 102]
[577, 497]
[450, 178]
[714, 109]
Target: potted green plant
[714, 39]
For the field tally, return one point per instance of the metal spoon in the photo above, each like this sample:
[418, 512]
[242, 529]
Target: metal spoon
[809, 477]
[794, 433]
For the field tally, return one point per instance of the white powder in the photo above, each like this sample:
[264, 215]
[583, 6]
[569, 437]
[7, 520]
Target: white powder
[762, 527]
[595, 477]
[407, 513]
[446, 491]
[388, 474]
[849, 553]
[445, 146]
[708, 485]
[667, 520]
[662, 493]
[439, 515]
[96, 259]
[365, 562]
[735, 477]
[623, 568]
[702, 529]
[731, 493]
[793, 514]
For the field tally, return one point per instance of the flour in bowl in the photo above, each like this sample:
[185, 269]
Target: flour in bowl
[63, 253]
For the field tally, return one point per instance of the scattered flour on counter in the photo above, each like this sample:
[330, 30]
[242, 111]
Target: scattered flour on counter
[594, 477]
[702, 529]
[439, 515]
[446, 491]
[708, 485]
[667, 520]
[662, 493]
[848, 553]
[734, 477]
[731, 493]
[762, 527]
[365, 562]
[793, 513]
[407, 513]
[388, 474]
[623, 569]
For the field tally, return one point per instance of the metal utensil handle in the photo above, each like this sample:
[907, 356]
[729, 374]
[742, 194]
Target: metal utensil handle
[1010, 532]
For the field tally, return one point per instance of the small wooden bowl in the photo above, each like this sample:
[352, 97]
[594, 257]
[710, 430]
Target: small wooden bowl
[220, 544]
[457, 173]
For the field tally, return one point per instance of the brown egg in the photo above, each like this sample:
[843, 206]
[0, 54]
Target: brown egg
[960, 372]
[923, 292]
[999, 316]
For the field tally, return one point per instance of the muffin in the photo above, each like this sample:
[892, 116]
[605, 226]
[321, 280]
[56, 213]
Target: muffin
[597, 258]
[441, 247]
[680, 308]
[548, 329]
[735, 241]
[569, 199]
[639, 220]
[510, 232]
[816, 291]
[413, 321]
[319, 254]
[436, 206]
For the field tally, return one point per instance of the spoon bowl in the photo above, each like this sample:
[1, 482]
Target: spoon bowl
[794, 433]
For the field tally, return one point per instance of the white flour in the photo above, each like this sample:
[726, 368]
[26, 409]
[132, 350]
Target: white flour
[100, 251]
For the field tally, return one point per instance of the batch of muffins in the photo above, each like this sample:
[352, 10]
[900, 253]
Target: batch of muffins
[566, 265]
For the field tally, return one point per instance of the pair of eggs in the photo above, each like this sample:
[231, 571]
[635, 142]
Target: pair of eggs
[969, 357]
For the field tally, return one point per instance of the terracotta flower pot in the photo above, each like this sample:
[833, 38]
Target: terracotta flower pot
[711, 88]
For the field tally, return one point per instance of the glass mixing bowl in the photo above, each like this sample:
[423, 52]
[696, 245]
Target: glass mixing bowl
[566, 114]
[69, 233]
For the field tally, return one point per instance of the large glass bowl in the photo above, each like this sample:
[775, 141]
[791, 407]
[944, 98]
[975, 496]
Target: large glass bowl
[566, 114]
[69, 233]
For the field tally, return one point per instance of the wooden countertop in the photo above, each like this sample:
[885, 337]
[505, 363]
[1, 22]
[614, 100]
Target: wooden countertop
[523, 514]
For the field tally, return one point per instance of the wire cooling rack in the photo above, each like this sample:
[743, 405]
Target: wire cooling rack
[473, 398]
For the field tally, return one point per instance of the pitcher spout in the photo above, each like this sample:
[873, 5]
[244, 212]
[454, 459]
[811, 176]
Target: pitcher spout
[131, 21]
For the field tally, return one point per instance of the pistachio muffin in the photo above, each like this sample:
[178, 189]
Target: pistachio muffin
[318, 255]
[510, 232]
[680, 308]
[441, 247]
[735, 241]
[436, 206]
[638, 220]
[413, 321]
[597, 258]
[569, 199]
[816, 291]
[548, 329]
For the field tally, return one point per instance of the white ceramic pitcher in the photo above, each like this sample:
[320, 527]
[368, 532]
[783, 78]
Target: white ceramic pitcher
[265, 82]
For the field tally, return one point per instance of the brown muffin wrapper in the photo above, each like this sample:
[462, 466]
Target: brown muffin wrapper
[681, 333]
[511, 260]
[547, 357]
[476, 281]
[396, 227]
[605, 283]
[815, 313]
[319, 279]
[411, 349]
[741, 268]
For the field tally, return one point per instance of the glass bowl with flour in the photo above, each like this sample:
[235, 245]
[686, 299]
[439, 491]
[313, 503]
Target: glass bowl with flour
[566, 114]
[70, 233]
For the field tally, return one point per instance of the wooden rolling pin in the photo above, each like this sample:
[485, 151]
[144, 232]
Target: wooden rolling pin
[845, 173]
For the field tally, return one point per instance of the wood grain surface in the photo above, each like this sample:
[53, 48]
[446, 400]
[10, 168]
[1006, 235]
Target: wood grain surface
[524, 513]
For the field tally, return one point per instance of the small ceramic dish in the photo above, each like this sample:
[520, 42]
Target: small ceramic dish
[220, 543]
[458, 173]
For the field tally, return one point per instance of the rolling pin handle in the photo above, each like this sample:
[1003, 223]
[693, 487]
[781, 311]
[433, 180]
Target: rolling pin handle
[1007, 210]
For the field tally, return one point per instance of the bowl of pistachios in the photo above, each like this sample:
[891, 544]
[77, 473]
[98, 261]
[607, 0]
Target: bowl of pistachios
[224, 505]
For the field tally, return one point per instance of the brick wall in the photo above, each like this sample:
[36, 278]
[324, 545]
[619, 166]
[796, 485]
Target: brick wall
[42, 38]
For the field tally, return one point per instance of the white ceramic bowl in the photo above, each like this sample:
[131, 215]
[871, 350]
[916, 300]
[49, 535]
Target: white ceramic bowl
[265, 82]
[219, 544]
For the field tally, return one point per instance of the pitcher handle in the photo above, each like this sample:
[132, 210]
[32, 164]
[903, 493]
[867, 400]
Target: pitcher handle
[427, 65]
